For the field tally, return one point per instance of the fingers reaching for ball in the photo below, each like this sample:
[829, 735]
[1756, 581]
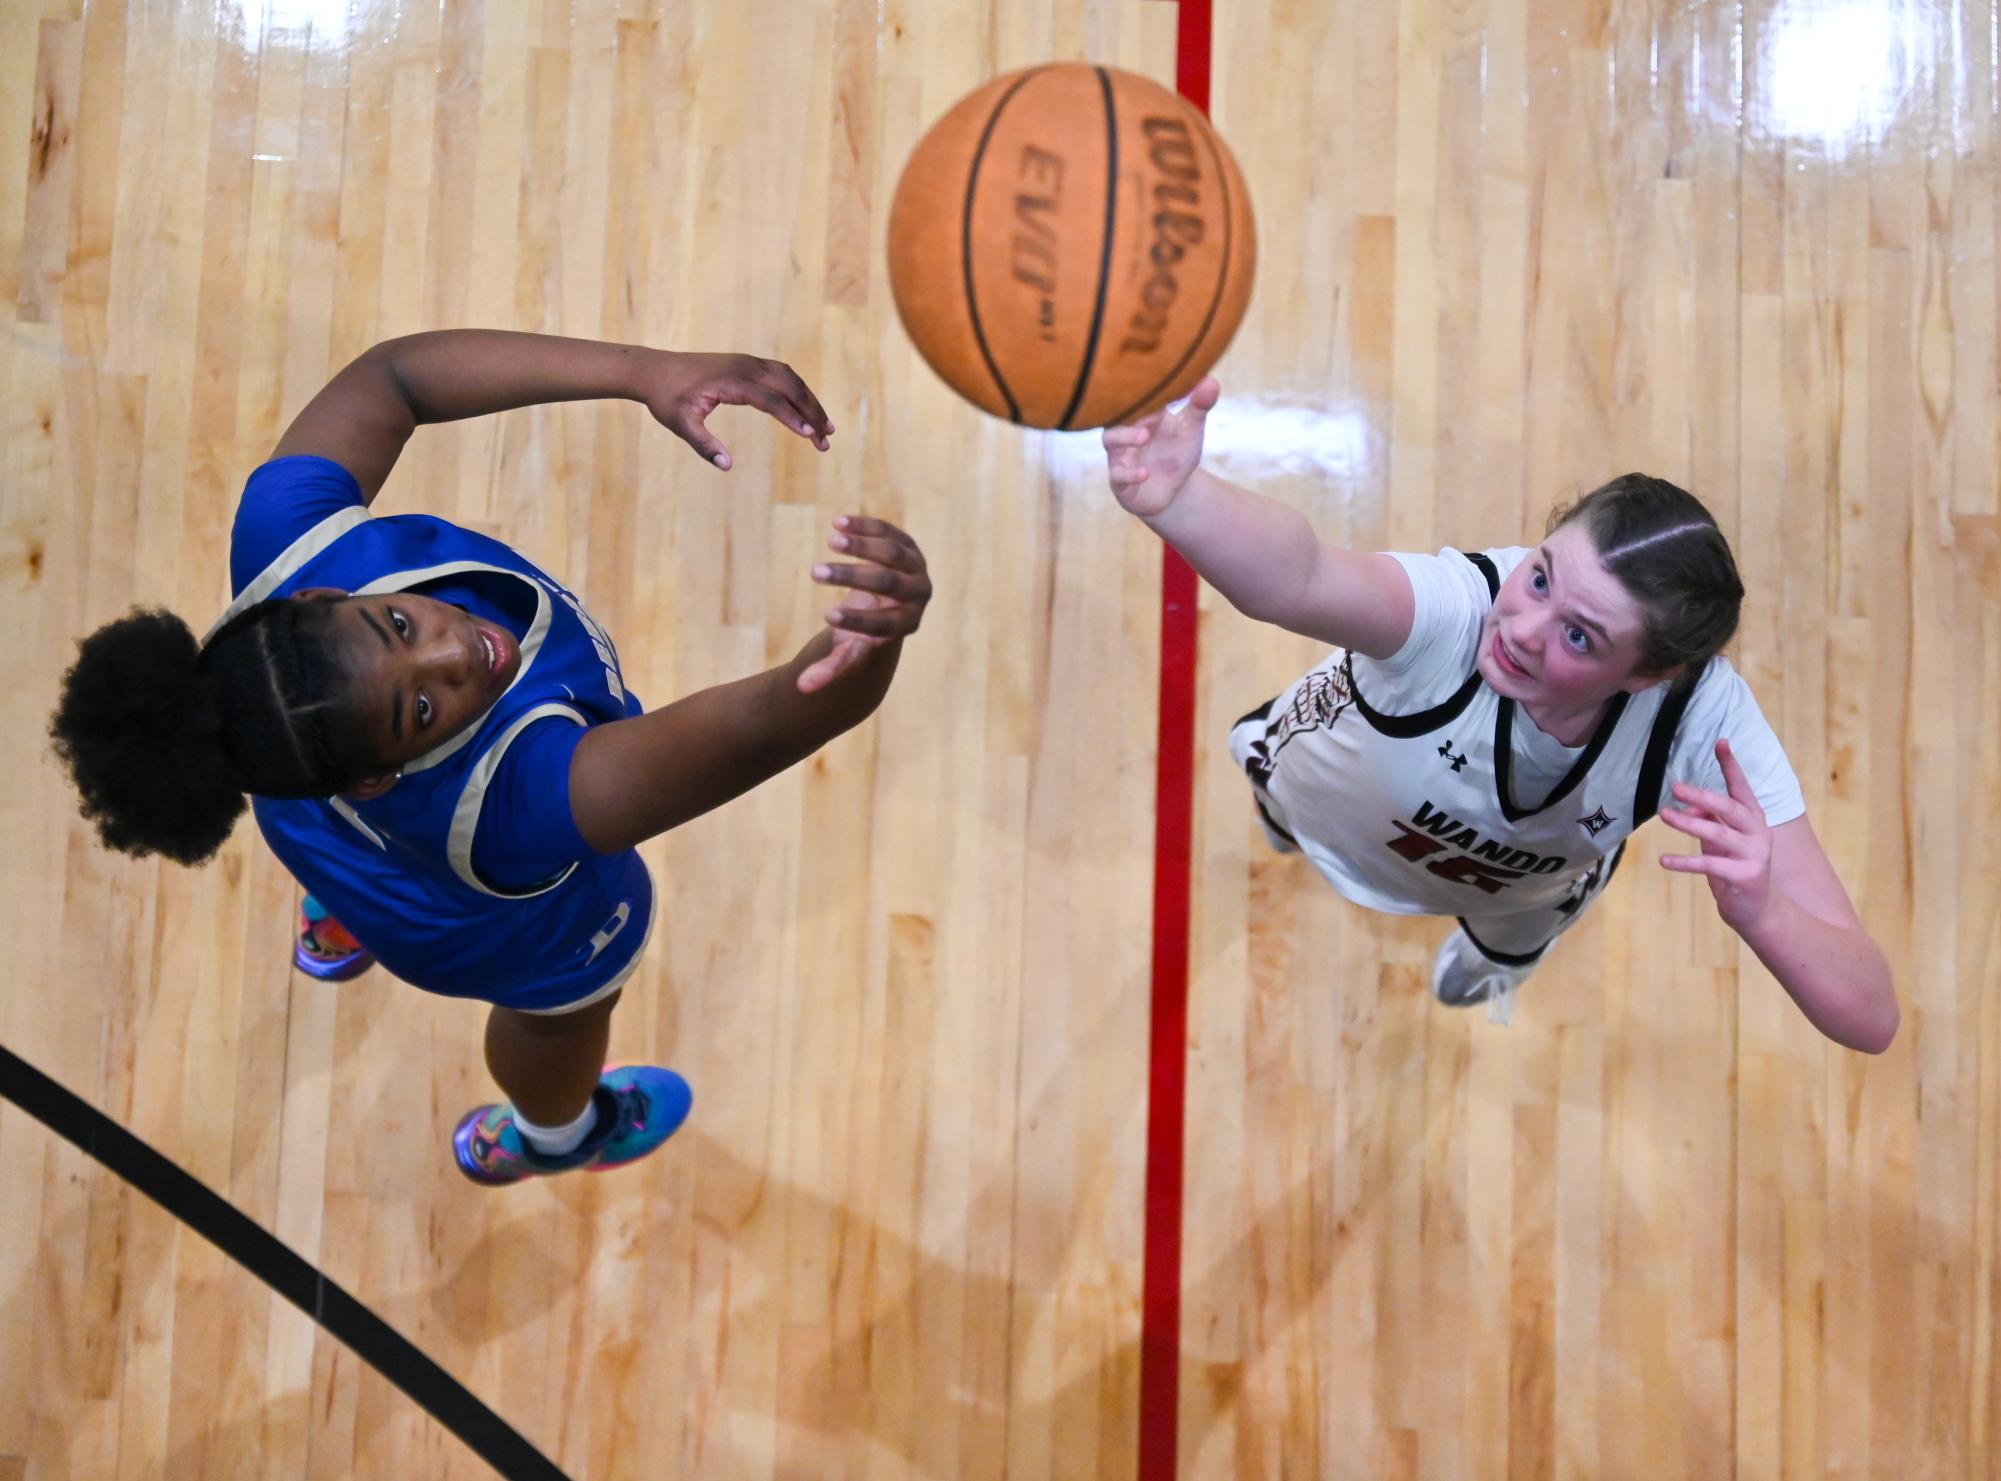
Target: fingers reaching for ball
[1149, 462]
[888, 586]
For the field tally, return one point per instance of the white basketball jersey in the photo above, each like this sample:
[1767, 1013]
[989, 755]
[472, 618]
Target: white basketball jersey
[1420, 813]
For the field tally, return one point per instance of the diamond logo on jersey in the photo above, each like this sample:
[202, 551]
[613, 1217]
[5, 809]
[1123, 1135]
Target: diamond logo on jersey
[1597, 823]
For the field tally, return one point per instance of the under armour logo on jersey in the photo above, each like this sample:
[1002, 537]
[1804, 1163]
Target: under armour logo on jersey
[1458, 762]
[1597, 823]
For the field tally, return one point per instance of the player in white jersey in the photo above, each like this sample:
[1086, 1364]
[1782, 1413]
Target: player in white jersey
[1491, 727]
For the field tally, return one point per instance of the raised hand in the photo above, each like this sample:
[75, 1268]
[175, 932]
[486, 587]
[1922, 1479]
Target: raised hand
[1736, 842]
[1150, 461]
[681, 390]
[888, 587]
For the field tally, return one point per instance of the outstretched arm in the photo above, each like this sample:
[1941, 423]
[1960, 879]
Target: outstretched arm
[1776, 889]
[1260, 554]
[631, 779]
[364, 415]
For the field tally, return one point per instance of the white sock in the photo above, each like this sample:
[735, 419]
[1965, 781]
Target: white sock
[554, 1141]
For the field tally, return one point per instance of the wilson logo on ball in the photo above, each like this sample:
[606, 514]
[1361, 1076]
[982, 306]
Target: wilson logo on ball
[1172, 152]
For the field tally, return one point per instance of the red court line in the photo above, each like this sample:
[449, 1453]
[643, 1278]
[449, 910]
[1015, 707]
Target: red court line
[1160, 1323]
[1174, 817]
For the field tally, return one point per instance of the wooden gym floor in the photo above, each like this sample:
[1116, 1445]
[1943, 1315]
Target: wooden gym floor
[1657, 1228]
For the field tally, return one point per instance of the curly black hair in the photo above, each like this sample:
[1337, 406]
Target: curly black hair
[162, 736]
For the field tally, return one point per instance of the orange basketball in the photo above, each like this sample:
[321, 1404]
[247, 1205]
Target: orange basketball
[1071, 246]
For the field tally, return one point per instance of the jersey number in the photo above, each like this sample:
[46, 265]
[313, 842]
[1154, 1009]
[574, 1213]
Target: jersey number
[1460, 868]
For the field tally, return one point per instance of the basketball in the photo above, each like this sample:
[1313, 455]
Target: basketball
[1071, 246]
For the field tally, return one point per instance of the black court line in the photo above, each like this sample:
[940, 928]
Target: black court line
[260, 1252]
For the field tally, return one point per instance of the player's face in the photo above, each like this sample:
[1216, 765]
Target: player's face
[423, 670]
[1563, 633]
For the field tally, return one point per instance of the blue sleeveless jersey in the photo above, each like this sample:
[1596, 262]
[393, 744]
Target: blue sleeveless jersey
[397, 870]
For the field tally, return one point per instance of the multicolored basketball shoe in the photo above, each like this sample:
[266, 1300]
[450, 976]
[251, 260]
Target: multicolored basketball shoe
[324, 948]
[639, 1107]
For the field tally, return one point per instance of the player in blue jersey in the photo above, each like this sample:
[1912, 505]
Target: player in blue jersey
[436, 736]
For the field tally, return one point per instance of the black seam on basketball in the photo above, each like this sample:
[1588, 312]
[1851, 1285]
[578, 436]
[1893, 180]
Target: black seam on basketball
[280, 1267]
[1222, 282]
[966, 245]
[1105, 252]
